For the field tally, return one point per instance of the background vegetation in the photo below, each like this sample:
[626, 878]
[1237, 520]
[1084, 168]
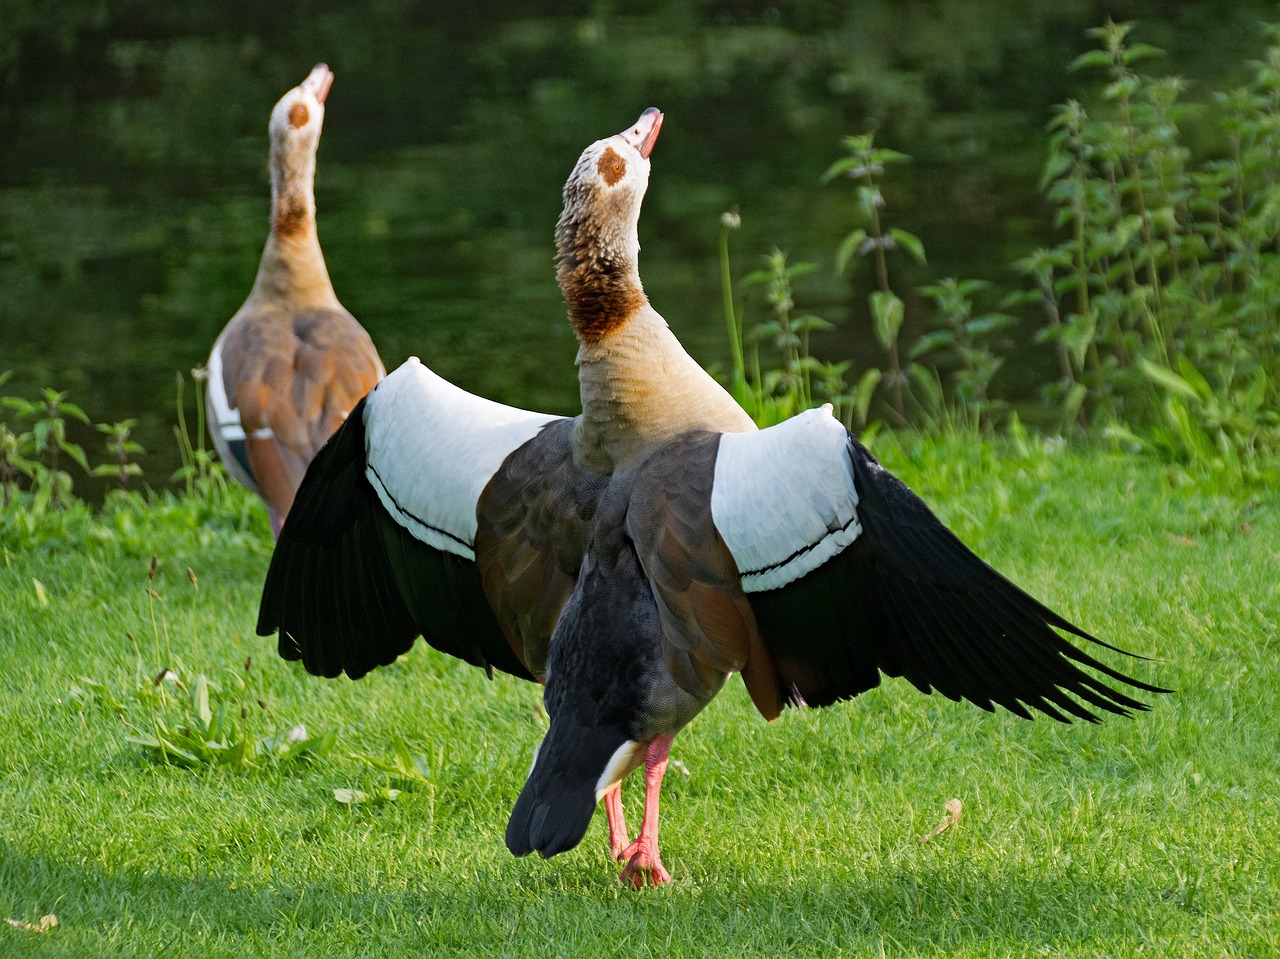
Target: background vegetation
[133, 190]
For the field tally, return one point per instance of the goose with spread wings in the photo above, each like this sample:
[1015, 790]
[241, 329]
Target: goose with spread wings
[636, 555]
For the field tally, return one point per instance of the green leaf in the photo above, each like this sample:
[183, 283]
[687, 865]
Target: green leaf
[1122, 434]
[864, 392]
[354, 797]
[1141, 51]
[42, 598]
[1163, 376]
[1054, 168]
[811, 323]
[926, 380]
[841, 167]
[70, 409]
[931, 341]
[1094, 58]
[909, 242]
[1251, 399]
[1078, 333]
[980, 325]
[200, 700]
[887, 313]
[302, 748]
[76, 453]
[848, 247]
[1194, 377]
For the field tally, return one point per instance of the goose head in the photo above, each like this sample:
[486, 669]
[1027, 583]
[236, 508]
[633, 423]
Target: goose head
[295, 126]
[597, 242]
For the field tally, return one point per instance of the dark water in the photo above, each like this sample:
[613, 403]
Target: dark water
[134, 197]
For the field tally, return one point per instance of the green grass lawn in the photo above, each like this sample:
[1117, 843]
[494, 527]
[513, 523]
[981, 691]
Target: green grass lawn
[1148, 837]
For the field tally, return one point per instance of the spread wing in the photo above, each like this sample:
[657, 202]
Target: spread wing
[534, 519]
[378, 546]
[850, 575]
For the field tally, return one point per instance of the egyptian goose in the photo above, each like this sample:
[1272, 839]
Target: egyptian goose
[292, 362]
[789, 555]
[634, 556]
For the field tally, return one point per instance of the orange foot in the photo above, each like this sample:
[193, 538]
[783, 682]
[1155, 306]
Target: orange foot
[644, 867]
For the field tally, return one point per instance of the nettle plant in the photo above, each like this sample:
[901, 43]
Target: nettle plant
[36, 448]
[37, 454]
[1162, 301]
[771, 394]
[872, 240]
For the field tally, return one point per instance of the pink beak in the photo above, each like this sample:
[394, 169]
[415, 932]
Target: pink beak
[643, 134]
[318, 81]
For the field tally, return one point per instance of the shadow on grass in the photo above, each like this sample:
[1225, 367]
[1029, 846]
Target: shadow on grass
[514, 907]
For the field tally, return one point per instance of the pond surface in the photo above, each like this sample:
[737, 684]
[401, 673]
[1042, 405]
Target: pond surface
[134, 194]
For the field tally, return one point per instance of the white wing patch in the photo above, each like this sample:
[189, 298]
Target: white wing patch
[783, 498]
[432, 447]
[226, 420]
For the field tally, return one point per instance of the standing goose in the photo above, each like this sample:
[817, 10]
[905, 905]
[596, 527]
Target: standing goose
[292, 362]
[788, 555]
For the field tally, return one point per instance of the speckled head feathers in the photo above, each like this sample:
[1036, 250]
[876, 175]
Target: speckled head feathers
[596, 239]
[295, 127]
[299, 114]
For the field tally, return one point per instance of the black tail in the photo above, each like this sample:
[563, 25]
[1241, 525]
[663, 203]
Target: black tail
[557, 801]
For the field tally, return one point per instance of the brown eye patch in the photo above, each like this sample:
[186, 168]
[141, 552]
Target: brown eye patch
[299, 115]
[611, 166]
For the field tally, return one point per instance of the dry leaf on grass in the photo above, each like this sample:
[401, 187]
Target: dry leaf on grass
[954, 809]
[44, 925]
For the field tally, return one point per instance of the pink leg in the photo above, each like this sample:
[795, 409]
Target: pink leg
[644, 867]
[618, 839]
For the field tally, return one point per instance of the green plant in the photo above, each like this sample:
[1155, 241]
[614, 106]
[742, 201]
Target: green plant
[120, 448]
[200, 473]
[207, 733]
[39, 453]
[787, 389]
[966, 338]
[14, 462]
[1069, 341]
[1170, 276]
[865, 165]
[731, 220]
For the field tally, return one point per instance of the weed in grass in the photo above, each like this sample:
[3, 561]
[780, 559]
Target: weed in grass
[200, 728]
[404, 770]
